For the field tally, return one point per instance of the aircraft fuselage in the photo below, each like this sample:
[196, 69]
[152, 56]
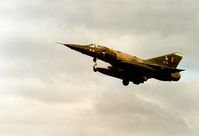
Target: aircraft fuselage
[127, 67]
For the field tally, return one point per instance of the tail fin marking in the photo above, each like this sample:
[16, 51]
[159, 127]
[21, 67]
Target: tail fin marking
[170, 60]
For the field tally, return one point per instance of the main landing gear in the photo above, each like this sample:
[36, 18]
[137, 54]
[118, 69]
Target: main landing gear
[125, 82]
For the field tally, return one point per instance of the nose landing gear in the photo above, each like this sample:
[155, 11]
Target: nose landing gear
[95, 64]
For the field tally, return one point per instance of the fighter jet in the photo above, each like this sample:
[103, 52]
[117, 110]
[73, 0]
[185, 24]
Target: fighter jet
[131, 68]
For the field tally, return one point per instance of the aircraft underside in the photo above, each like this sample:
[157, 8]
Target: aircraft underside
[121, 74]
[133, 75]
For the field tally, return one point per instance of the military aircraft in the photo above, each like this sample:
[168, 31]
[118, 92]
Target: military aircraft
[131, 68]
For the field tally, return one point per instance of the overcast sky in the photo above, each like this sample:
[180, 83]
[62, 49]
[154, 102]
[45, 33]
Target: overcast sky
[47, 89]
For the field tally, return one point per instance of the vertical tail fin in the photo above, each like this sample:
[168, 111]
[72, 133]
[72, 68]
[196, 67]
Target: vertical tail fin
[170, 60]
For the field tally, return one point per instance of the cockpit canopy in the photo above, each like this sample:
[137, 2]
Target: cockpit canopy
[96, 46]
[92, 45]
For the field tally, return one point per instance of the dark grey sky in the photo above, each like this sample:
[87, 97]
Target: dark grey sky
[47, 89]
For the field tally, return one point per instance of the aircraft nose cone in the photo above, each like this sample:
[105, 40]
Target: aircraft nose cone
[79, 48]
[72, 46]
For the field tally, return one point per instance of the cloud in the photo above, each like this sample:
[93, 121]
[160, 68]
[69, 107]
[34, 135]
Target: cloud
[135, 114]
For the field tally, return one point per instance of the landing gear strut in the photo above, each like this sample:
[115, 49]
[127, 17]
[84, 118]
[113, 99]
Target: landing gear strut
[95, 59]
[125, 82]
[95, 64]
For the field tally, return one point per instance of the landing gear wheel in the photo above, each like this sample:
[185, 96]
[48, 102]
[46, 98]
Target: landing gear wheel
[94, 69]
[136, 82]
[125, 82]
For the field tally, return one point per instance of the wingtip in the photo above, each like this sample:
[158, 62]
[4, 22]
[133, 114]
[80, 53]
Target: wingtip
[182, 69]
